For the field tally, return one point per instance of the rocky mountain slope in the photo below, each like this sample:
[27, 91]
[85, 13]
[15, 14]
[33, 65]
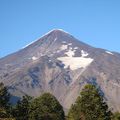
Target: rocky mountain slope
[61, 64]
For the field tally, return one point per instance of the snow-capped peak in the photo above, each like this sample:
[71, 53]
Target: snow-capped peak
[109, 52]
[53, 30]
[61, 30]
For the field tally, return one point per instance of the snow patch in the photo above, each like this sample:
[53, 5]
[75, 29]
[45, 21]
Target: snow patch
[70, 48]
[109, 52]
[116, 84]
[62, 30]
[63, 47]
[55, 39]
[34, 58]
[63, 42]
[75, 62]
[84, 53]
[28, 44]
[50, 60]
[70, 53]
[47, 33]
[57, 51]
[69, 43]
[75, 48]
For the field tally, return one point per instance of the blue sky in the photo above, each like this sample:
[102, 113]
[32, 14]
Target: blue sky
[96, 22]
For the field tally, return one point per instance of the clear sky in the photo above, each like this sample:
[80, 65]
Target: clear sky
[96, 22]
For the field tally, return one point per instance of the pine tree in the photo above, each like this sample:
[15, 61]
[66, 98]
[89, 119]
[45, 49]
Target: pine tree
[4, 96]
[90, 105]
[46, 107]
[21, 110]
[4, 101]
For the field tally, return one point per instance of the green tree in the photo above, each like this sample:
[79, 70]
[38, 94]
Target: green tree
[116, 116]
[46, 107]
[4, 96]
[4, 101]
[22, 108]
[4, 115]
[90, 105]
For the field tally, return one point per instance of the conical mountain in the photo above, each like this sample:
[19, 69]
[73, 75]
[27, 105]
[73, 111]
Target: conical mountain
[60, 64]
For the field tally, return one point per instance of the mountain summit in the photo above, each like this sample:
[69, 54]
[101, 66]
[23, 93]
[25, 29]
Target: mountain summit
[60, 64]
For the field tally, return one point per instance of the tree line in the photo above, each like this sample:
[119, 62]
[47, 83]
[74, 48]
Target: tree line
[89, 105]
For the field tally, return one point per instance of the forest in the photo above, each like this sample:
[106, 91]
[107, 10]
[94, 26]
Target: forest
[90, 105]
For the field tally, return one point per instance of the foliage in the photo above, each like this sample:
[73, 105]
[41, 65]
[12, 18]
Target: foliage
[4, 102]
[116, 116]
[21, 110]
[4, 96]
[3, 113]
[90, 105]
[46, 107]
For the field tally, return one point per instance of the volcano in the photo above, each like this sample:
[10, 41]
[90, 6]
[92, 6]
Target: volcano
[61, 64]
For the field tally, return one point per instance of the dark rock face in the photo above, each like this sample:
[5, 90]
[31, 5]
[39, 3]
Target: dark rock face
[60, 64]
